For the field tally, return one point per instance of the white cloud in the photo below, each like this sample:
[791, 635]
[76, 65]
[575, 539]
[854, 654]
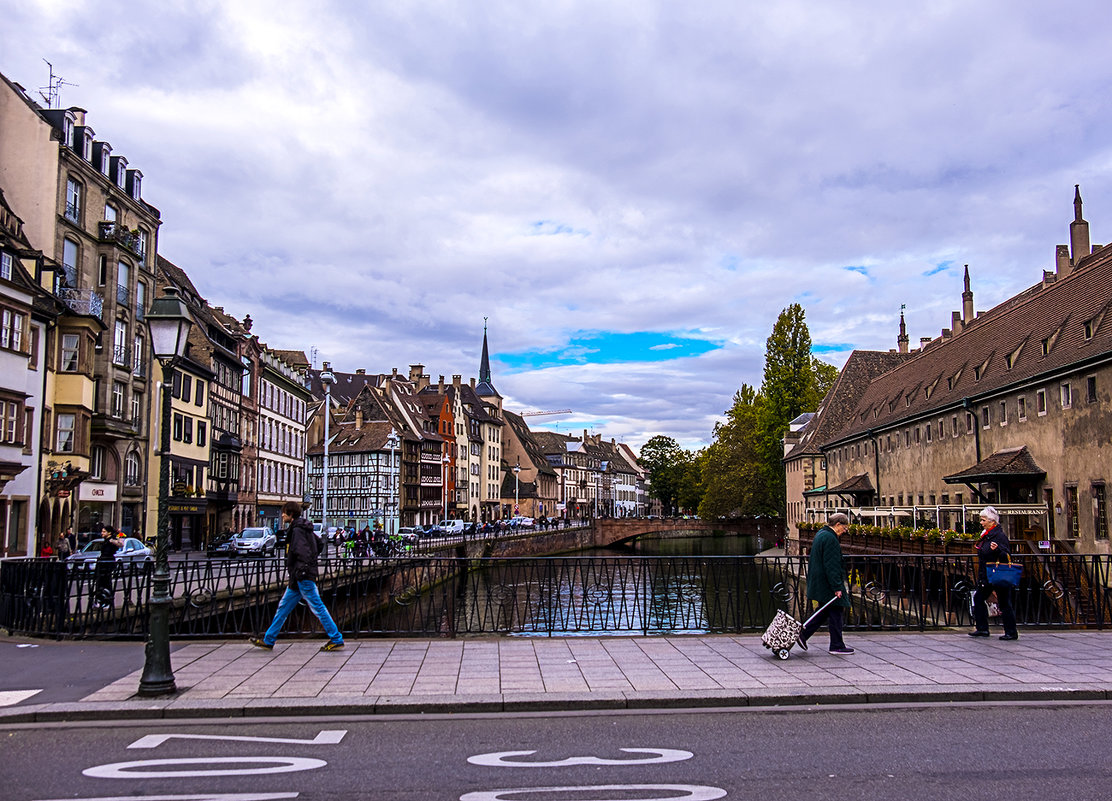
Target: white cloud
[370, 181]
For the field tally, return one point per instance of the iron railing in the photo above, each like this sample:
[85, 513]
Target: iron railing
[431, 595]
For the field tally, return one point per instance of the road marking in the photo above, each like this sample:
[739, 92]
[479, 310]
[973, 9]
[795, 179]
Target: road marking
[208, 797]
[130, 770]
[664, 755]
[692, 792]
[13, 697]
[331, 737]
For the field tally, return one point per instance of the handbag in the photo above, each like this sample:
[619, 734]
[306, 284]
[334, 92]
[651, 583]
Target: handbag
[1006, 574]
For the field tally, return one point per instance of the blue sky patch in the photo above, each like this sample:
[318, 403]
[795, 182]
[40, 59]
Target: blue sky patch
[857, 268]
[553, 228]
[831, 347]
[941, 267]
[610, 347]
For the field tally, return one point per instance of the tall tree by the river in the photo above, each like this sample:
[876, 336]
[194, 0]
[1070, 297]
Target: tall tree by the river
[743, 473]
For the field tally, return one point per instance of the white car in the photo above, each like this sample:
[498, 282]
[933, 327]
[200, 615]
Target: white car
[132, 550]
[256, 542]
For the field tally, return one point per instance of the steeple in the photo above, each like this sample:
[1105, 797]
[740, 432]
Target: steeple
[1079, 231]
[484, 365]
[966, 301]
[485, 388]
[902, 340]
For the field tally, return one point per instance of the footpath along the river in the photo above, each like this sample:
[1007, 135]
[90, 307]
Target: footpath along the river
[230, 678]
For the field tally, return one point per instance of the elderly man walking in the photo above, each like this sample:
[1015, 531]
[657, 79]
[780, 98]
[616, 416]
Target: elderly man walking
[826, 580]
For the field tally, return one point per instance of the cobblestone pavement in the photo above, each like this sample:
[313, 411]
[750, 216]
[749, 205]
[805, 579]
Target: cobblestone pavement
[383, 676]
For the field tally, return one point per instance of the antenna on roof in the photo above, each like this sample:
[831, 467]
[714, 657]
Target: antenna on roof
[53, 90]
[313, 354]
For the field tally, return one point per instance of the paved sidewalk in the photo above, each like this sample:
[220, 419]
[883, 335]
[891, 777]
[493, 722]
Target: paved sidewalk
[388, 676]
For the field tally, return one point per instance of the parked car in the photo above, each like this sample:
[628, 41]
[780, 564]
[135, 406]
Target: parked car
[256, 542]
[452, 527]
[223, 544]
[521, 522]
[132, 550]
[409, 533]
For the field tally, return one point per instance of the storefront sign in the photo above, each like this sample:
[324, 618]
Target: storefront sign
[103, 493]
[179, 508]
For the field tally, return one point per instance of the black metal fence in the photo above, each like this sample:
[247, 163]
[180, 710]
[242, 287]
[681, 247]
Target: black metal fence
[447, 596]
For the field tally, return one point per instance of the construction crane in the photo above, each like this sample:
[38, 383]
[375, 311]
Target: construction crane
[542, 414]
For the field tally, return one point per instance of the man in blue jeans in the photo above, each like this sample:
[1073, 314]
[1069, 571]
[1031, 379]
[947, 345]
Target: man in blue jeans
[301, 562]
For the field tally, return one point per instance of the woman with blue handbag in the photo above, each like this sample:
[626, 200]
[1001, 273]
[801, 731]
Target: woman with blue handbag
[992, 548]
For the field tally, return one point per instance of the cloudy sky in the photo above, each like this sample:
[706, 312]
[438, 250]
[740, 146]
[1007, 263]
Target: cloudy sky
[631, 192]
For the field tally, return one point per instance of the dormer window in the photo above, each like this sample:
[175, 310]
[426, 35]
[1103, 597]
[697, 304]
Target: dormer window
[67, 130]
[1046, 346]
[1088, 329]
[118, 173]
[134, 184]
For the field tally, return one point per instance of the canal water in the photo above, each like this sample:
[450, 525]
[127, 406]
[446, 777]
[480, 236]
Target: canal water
[654, 586]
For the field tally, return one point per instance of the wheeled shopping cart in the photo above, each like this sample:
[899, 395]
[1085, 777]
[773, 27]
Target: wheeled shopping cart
[783, 632]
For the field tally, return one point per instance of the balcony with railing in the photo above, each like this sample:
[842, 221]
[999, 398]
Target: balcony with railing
[120, 355]
[82, 301]
[115, 234]
[123, 295]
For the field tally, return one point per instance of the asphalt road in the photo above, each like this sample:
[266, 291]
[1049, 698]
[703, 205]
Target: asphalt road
[65, 671]
[1016, 751]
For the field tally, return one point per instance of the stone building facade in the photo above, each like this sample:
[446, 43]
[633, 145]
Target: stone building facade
[1011, 407]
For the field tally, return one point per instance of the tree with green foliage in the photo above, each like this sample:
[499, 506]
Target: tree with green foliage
[733, 481]
[661, 456]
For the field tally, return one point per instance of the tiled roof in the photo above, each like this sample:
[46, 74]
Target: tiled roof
[1013, 462]
[371, 437]
[1002, 348]
[861, 368]
[528, 442]
[861, 483]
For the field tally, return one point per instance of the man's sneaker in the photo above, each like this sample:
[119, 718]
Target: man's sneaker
[845, 649]
[332, 646]
[259, 643]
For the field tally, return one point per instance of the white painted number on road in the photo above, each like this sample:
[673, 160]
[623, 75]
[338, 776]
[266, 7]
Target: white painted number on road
[202, 797]
[135, 770]
[324, 738]
[688, 792]
[500, 759]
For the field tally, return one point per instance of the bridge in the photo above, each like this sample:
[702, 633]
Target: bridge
[615, 530]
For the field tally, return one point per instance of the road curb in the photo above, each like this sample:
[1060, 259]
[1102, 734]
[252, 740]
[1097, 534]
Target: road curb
[370, 706]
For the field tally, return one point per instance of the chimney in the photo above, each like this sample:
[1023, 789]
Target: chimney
[78, 116]
[415, 371]
[1079, 231]
[923, 342]
[456, 379]
[1062, 260]
[967, 301]
[472, 383]
[955, 322]
[358, 417]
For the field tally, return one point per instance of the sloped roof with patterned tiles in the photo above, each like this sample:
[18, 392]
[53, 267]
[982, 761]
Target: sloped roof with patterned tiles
[861, 368]
[1068, 319]
[1007, 462]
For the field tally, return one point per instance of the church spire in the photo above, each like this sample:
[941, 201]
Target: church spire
[1079, 231]
[902, 339]
[484, 365]
[485, 388]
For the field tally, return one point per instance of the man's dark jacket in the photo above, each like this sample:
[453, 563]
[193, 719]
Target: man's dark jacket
[825, 573]
[301, 556]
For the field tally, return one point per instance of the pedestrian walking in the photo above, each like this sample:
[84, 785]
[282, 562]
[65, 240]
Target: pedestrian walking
[62, 548]
[110, 542]
[302, 566]
[826, 580]
[992, 547]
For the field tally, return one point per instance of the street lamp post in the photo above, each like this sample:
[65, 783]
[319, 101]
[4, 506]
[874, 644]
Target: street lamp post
[392, 441]
[327, 379]
[169, 323]
[517, 469]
